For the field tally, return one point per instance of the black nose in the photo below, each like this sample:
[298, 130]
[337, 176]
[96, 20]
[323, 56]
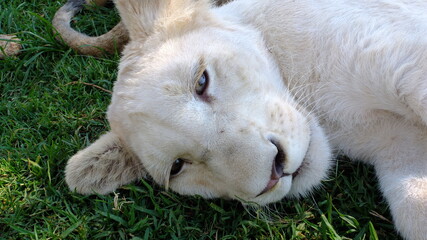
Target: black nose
[279, 162]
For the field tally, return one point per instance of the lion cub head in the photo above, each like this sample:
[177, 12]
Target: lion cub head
[201, 107]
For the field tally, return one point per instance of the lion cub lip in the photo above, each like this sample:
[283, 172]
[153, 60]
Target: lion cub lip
[275, 176]
[272, 183]
[274, 179]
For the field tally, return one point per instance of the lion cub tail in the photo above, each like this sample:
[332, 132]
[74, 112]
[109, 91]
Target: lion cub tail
[110, 42]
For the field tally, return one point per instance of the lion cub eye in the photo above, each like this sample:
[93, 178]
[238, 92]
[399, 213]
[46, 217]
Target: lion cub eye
[202, 83]
[177, 167]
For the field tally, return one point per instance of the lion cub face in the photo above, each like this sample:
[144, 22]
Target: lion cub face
[205, 111]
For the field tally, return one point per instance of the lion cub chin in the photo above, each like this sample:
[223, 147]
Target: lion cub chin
[201, 107]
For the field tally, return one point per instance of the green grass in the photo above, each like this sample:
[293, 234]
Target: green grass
[47, 114]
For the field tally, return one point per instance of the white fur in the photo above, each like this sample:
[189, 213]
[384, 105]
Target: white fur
[277, 69]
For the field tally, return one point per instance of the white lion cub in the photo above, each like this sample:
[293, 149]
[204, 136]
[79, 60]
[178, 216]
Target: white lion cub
[245, 100]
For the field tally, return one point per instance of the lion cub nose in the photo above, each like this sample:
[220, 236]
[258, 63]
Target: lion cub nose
[279, 162]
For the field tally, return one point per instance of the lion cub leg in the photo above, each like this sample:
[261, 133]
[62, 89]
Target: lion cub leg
[399, 155]
[398, 151]
[404, 184]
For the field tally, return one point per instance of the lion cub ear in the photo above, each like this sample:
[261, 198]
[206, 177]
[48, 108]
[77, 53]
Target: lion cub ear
[103, 167]
[143, 18]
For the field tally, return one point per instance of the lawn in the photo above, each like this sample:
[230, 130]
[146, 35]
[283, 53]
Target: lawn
[51, 107]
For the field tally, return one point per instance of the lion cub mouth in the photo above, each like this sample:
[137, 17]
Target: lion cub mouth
[277, 169]
[273, 181]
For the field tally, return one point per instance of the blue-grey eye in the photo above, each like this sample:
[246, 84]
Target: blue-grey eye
[177, 167]
[202, 83]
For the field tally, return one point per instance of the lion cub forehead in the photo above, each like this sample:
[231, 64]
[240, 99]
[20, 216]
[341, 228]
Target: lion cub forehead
[156, 76]
[167, 76]
[173, 60]
[180, 55]
[158, 92]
